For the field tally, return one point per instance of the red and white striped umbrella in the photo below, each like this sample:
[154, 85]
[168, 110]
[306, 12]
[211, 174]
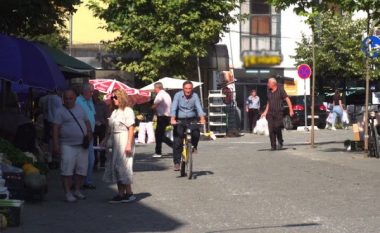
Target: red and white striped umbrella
[108, 85]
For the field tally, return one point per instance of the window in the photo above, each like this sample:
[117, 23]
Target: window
[260, 25]
[260, 7]
[262, 29]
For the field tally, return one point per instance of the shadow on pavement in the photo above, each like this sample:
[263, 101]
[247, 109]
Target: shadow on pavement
[274, 151]
[196, 174]
[334, 150]
[315, 143]
[94, 214]
[312, 224]
[145, 162]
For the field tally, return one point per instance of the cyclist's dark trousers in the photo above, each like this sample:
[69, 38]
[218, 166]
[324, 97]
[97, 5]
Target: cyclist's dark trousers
[162, 122]
[275, 125]
[253, 115]
[179, 133]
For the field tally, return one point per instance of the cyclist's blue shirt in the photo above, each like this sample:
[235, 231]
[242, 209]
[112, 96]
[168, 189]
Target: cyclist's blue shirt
[183, 107]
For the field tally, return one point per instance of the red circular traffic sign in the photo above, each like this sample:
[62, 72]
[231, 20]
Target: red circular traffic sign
[304, 71]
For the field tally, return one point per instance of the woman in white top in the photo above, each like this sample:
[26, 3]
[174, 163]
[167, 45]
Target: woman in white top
[119, 167]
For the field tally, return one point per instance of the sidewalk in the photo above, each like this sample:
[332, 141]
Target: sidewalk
[239, 186]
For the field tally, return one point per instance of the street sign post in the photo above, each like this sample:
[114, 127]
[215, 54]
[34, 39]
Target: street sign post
[371, 48]
[304, 72]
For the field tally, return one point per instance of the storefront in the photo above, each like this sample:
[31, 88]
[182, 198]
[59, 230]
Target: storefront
[257, 78]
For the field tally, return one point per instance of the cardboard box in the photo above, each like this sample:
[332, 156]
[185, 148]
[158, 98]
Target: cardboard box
[356, 131]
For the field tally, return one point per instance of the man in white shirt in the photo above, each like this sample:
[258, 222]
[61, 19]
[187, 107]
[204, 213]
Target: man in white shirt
[161, 104]
[252, 107]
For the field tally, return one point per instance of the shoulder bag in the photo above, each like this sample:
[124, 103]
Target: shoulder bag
[86, 140]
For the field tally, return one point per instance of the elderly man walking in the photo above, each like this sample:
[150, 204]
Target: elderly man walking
[274, 112]
[70, 125]
[85, 101]
[161, 104]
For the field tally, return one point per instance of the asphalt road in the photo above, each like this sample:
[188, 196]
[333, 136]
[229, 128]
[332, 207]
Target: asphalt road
[239, 186]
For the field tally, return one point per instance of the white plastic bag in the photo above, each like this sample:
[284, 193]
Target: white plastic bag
[261, 127]
[345, 119]
[329, 118]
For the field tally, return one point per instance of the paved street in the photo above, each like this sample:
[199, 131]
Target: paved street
[239, 186]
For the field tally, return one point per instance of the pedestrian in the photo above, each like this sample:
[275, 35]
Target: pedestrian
[119, 168]
[252, 107]
[274, 112]
[70, 125]
[145, 118]
[162, 103]
[101, 120]
[11, 101]
[337, 109]
[186, 108]
[85, 101]
[49, 104]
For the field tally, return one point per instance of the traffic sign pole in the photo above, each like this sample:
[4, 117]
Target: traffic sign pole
[304, 72]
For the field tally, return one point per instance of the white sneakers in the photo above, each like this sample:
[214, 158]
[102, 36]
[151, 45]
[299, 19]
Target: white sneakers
[79, 195]
[70, 197]
[73, 197]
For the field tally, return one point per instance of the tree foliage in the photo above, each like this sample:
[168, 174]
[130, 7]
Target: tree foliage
[36, 19]
[168, 34]
[338, 38]
[338, 41]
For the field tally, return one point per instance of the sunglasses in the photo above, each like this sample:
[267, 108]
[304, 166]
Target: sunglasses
[114, 97]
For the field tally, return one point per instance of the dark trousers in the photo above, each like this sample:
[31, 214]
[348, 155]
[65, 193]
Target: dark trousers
[162, 122]
[275, 125]
[253, 115]
[179, 134]
[99, 134]
[47, 131]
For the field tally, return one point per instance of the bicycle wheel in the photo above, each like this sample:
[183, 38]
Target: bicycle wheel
[183, 168]
[189, 164]
[372, 144]
[376, 146]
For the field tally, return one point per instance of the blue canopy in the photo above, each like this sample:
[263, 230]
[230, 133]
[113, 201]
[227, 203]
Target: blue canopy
[25, 63]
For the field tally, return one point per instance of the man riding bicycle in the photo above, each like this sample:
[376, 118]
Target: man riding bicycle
[186, 108]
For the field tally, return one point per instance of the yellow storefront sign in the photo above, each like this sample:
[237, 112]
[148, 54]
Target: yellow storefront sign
[261, 58]
[291, 87]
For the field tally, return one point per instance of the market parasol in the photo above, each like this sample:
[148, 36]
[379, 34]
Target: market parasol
[170, 84]
[108, 85]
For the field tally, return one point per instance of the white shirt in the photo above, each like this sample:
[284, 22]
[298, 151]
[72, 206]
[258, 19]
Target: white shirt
[163, 102]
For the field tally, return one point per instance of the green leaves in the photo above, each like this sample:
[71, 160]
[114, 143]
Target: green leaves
[168, 34]
[32, 18]
[338, 47]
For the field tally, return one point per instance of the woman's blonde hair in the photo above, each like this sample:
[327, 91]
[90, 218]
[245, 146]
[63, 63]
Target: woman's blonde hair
[124, 99]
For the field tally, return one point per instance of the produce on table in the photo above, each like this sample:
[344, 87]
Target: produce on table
[35, 181]
[3, 222]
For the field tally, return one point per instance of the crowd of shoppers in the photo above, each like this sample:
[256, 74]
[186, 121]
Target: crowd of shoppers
[75, 123]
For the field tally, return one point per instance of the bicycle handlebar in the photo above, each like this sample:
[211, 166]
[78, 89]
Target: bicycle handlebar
[187, 123]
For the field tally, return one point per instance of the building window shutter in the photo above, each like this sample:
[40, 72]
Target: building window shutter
[260, 25]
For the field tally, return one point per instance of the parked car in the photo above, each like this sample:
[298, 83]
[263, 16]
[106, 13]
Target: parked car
[299, 113]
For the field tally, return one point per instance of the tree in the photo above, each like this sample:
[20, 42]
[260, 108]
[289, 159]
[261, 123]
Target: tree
[338, 42]
[168, 34]
[372, 9]
[33, 18]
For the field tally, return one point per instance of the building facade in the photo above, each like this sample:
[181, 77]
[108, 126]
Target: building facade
[86, 37]
[263, 45]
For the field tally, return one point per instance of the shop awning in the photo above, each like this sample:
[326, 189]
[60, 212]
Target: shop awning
[70, 66]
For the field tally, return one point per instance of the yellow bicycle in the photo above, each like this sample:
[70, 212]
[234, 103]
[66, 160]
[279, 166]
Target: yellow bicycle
[187, 152]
